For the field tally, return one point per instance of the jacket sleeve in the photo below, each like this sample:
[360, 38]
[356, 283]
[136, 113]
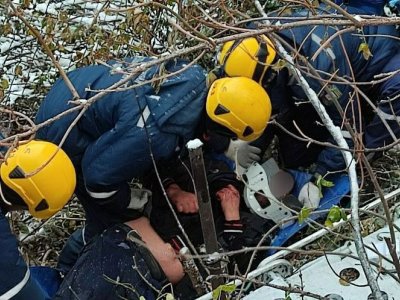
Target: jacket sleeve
[330, 159]
[122, 152]
[376, 133]
[15, 279]
[388, 109]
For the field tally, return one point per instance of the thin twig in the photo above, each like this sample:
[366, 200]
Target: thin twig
[38, 36]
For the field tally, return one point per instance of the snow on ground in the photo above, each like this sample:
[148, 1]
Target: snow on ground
[62, 24]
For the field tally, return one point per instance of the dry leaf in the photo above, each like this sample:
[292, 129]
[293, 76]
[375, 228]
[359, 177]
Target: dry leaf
[364, 48]
[343, 282]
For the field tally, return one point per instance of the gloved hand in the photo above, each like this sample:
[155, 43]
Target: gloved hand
[310, 195]
[139, 198]
[246, 153]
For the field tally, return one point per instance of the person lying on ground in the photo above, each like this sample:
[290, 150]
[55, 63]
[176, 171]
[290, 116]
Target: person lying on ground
[236, 226]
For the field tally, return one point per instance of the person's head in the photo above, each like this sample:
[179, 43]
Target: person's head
[240, 106]
[39, 177]
[249, 57]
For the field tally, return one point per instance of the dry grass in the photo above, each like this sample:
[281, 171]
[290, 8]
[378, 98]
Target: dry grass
[41, 241]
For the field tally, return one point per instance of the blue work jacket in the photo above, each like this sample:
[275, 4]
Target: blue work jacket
[110, 144]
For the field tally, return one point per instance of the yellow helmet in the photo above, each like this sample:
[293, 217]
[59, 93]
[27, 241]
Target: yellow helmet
[52, 183]
[239, 104]
[249, 57]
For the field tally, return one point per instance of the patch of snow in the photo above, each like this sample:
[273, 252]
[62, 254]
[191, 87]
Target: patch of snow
[358, 18]
[47, 8]
[194, 144]
[154, 97]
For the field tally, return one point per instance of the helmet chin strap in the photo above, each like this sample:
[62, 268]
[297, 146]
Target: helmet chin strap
[10, 197]
[2, 196]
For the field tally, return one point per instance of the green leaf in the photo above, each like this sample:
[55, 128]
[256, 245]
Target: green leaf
[326, 183]
[227, 288]
[364, 48]
[328, 223]
[335, 90]
[334, 215]
[23, 228]
[304, 213]
[169, 296]
[287, 295]
[343, 215]
[211, 77]
[321, 182]
[279, 65]
[4, 84]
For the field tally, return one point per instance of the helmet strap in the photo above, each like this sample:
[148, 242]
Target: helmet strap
[216, 142]
[2, 196]
[235, 44]
[212, 126]
[261, 58]
[9, 196]
[269, 75]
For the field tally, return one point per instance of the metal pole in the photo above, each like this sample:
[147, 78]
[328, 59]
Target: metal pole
[205, 209]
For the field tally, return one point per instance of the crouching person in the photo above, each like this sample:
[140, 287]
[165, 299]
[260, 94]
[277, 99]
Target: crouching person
[127, 261]
[40, 178]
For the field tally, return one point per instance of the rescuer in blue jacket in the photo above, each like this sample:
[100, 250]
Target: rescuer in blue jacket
[110, 145]
[38, 177]
[342, 58]
[373, 7]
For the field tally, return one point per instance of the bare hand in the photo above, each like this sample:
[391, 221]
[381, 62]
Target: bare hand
[230, 202]
[184, 202]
